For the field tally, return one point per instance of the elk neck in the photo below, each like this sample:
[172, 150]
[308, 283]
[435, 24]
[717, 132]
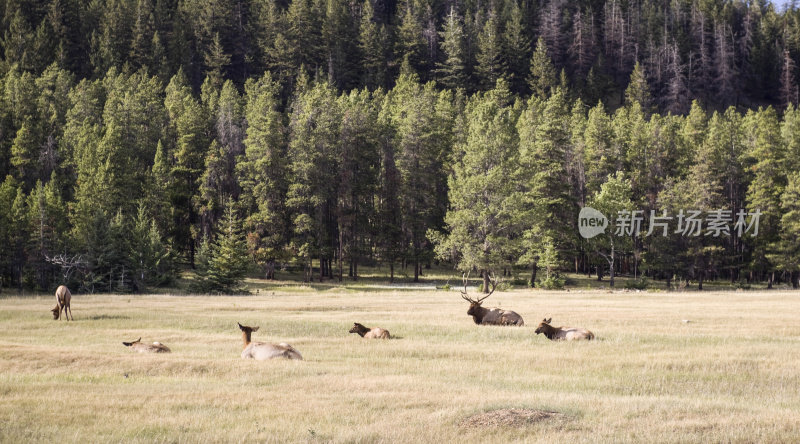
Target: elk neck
[360, 329]
[246, 338]
[548, 330]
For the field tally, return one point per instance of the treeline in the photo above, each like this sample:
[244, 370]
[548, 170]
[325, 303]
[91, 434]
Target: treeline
[215, 135]
[111, 182]
[721, 52]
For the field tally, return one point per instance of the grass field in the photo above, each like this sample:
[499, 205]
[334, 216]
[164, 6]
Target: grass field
[731, 374]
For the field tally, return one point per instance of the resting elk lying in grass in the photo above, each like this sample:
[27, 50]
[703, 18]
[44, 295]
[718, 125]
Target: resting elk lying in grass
[490, 316]
[369, 333]
[155, 347]
[563, 333]
[261, 351]
[63, 297]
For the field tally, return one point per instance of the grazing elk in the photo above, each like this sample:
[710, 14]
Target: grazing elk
[563, 333]
[63, 297]
[369, 333]
[261, 351]
[490, 316]
[155, 347]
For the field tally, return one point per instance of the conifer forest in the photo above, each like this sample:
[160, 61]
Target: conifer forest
[142, 139]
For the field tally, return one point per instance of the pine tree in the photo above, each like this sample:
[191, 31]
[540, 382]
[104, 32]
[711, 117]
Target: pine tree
[542, 77]
[373, 44]
[314, 130]
[614, 196]
[47, 225]
[490, 66]
[8, 193]
[410, 41]
[359, 162]
[788, 85]
[421, 138]
[767, 151]
[452, 71]
[515, 47]
[340, 32]
[548, 201]
[263, 173]
[787, 248]
[223, 262]
[482, 224]
[152, 261]
[638, 90]
[188, 126]
[582, 49]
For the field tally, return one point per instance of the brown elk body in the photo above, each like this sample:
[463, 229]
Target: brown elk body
[63, 297]
[261, 351]
[563, 333]
[369, 333]
[155, 347]
[490, 316]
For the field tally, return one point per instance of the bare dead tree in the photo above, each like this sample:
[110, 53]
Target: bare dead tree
[68, 264]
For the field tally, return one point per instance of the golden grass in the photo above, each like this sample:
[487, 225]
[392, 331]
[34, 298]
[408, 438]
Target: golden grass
[730, 375]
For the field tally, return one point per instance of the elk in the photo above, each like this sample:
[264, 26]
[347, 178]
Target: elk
[63, 297]
[261, 351]
[369, 333]
[563, 333]
[155, 347]
[490, 316]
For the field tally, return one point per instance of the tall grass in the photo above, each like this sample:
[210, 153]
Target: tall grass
[729, 375]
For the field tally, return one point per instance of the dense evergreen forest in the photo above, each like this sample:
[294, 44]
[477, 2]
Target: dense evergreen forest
[142, 137]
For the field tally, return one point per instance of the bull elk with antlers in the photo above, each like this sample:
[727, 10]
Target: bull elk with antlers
[490, 316]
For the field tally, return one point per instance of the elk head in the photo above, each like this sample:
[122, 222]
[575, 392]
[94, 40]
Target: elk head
[475, 304]
[541, 328]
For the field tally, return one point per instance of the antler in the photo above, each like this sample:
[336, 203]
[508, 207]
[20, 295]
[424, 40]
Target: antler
[479, 300]
[494, 286]
[465, 277]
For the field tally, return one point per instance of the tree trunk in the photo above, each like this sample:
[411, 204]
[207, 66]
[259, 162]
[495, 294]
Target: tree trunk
[391, 272]
[611, 266]
[485, 281]
[416, 271]
[770, 280]
[611, 274]
[355, 269]
[341, 257]
[533, 275]
[700, 277]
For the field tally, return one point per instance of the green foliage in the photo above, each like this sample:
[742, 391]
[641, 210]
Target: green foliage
[542, 77]
[481, 220]
[637, 284]
[452, 71]
[142, 117]
[554, 282]
[223, 262]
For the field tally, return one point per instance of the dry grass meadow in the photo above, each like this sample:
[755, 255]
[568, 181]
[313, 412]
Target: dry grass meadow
[731, 374]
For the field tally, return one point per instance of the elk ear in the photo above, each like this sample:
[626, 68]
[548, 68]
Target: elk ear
[126, 344]
[547, 321]
[255, 328]
[240, 326]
